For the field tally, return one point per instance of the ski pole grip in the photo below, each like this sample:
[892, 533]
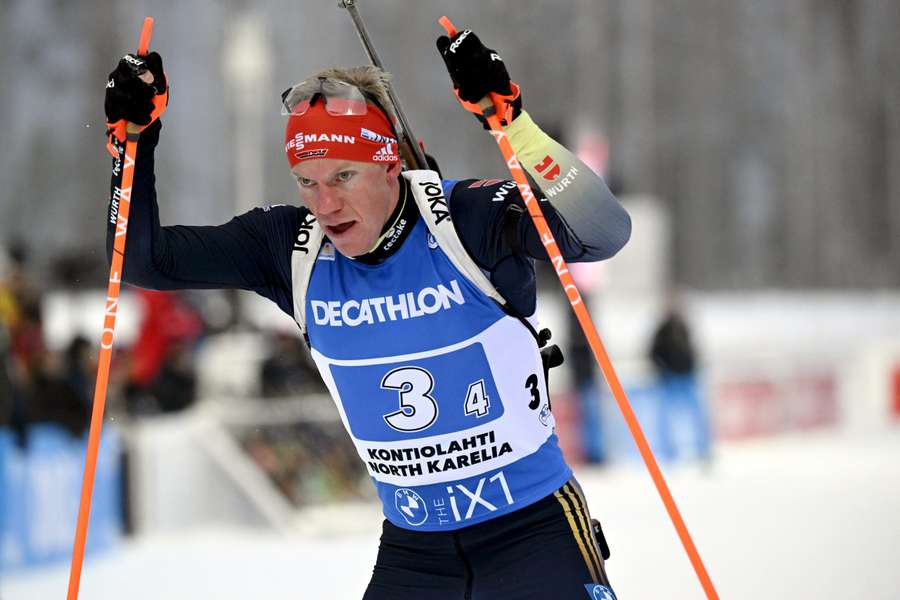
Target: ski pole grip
[131, 129]
[447, 25]
[493, 100]
[146, 34]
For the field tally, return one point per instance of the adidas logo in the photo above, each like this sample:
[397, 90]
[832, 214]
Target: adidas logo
[385, 154]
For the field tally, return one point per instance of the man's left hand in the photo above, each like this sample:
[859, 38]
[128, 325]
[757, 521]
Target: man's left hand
[476, 70]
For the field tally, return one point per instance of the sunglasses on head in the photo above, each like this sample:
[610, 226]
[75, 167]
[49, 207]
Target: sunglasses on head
[341, 99]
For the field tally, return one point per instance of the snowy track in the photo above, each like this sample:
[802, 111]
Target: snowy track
[797, 518]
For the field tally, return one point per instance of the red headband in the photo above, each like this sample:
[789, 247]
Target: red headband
[318, 134]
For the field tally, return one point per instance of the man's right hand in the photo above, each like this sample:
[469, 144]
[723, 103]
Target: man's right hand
[137, 91]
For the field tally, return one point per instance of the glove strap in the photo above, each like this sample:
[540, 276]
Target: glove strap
[119, 129]
[115, 131]
[501, 105]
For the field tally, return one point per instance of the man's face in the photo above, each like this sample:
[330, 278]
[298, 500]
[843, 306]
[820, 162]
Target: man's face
[351, 200]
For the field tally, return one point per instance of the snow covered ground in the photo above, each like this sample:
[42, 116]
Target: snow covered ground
[795, 518]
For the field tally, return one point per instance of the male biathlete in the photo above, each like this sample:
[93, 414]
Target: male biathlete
[416, 296]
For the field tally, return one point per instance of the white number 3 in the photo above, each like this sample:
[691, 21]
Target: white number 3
[418, 410]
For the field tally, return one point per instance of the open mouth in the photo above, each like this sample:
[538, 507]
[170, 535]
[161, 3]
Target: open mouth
[339, 228]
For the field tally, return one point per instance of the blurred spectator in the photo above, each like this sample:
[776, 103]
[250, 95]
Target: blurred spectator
[22, 316]
[35, 384]
[8, 418]
[52, 399]
[584, 381]
[162, 376]
[6, 312]
[288, 370]
[80, 369]
[580, 357]
[674, 358]
[5, 382]
[15, 340]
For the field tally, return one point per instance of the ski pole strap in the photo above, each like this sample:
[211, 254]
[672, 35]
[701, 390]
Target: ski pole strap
[500, 105]
[122, 130]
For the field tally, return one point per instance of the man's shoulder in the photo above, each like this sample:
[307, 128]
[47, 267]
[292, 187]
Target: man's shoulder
[493, 190]
[277, 215]
[277, 224]
[479, 198]
[478, 209]
[282, 210]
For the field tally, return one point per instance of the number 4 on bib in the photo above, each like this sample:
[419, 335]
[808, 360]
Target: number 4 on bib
[477, 401]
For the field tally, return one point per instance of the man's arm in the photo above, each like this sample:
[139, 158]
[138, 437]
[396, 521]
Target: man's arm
[586, 220]
[596, 226]
[251, 252]
[490, 218]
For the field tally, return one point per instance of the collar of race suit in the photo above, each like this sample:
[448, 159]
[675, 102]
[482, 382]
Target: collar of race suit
[396, 229]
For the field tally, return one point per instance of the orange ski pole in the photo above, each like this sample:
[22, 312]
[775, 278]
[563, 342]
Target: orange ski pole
[492, 108]
[106, 338]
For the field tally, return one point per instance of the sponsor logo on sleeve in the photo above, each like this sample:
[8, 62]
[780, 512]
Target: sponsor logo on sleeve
[548, 168]
[503, 191]
[484, 183]
[562, 184]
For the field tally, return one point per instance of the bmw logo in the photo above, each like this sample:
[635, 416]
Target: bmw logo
[599, 592]
[411, 506]
[545, 415]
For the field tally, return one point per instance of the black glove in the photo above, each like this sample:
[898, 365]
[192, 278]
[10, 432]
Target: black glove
[127, 96]
[476, 71]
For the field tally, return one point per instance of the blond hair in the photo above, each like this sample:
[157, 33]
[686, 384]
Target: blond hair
[368, 78]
